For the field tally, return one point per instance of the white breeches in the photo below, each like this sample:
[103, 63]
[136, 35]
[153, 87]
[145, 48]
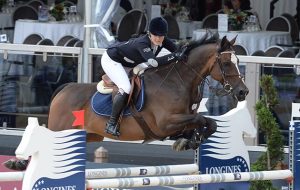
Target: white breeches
[116, 72]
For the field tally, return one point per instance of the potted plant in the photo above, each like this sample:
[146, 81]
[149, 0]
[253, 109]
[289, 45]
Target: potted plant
[273, 157]
[57, 11]
[236, 20]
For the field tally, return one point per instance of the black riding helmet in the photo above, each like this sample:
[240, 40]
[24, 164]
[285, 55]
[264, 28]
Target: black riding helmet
[158, 26]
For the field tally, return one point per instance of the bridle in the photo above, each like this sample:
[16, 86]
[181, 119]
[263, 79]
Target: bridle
[227, 87]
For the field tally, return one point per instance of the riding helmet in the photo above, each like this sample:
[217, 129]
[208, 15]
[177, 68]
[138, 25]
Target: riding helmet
[158, 26]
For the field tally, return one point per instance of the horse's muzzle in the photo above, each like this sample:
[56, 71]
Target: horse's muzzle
[241, 94]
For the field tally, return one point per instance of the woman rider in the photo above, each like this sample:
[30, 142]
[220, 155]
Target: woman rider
[138, 53]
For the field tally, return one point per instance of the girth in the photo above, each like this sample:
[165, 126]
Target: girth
[149, 135]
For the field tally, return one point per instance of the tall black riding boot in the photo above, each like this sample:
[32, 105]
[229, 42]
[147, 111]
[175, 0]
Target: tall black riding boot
[112, 126]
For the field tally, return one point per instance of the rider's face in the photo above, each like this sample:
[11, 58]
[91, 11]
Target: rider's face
[156, 40]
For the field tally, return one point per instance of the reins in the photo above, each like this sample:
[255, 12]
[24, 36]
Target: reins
[168, 73]
[227, 87]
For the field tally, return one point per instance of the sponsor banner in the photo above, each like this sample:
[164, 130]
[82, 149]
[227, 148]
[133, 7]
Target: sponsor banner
[297, 156]
[57, 158]
[225, 151]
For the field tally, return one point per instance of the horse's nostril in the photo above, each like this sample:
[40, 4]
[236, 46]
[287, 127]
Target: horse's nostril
[243, 92]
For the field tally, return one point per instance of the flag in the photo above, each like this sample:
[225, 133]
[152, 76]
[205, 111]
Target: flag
[79, 118]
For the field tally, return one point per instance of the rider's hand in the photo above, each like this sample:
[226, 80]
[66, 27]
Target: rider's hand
[180, 54]
[140, 68]
[152, 62]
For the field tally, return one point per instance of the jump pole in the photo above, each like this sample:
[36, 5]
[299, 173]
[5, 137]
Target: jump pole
[188, 179]
[142, 171]
[120, 172]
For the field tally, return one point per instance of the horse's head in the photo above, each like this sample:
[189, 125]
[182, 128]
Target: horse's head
[31, 139]
[215, 57]
[226, 71]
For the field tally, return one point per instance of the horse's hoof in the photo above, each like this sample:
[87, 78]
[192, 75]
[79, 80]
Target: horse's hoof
[180, 144]
[13, 164]
[22, 165]
[192, 145]
[10, 164]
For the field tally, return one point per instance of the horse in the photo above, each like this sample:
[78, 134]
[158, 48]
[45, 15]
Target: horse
[63, 156]
[171, 92]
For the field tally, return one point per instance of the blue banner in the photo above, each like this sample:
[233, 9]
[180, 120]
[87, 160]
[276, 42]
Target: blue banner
[297, 156]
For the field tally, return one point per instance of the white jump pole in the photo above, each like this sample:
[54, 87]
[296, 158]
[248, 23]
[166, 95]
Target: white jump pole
[188, 179]
[11, 176]
[142, 171]
[120, 172]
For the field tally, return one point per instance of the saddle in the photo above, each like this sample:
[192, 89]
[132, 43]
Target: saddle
[106, 86]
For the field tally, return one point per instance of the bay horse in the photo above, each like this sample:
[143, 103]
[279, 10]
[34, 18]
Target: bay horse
[171, 91]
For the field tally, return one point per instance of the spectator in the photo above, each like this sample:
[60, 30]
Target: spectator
[240, 5]
[237, 5]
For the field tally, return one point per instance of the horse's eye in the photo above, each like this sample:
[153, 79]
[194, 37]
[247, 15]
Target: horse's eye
[227, 63]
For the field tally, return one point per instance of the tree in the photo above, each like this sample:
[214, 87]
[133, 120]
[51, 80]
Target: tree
[270, 128]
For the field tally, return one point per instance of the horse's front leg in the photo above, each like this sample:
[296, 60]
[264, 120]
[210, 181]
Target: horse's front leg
[197, 129]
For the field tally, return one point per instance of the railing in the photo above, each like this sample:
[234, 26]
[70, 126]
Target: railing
[29, 75]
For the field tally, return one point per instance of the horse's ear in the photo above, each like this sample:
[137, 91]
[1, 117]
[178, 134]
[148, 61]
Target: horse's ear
[233, 40]
[216, 35]
[224, 41]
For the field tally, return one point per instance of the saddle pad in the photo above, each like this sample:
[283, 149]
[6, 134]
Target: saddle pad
[102, 103]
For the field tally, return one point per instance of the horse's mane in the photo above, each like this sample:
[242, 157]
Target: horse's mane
[208, 38]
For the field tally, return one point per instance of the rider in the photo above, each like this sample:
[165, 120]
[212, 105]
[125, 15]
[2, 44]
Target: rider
[137, 53]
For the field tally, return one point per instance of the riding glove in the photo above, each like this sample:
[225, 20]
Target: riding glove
[180, 54]
[152, 62]
[140, 68]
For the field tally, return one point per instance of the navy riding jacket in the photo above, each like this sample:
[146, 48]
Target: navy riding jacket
[138, 50]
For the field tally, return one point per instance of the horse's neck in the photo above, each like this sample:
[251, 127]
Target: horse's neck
[176, 74]
[197, 67]
[181, 78]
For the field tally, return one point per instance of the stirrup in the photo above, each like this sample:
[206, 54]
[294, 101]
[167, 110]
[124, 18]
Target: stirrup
[114, 132]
